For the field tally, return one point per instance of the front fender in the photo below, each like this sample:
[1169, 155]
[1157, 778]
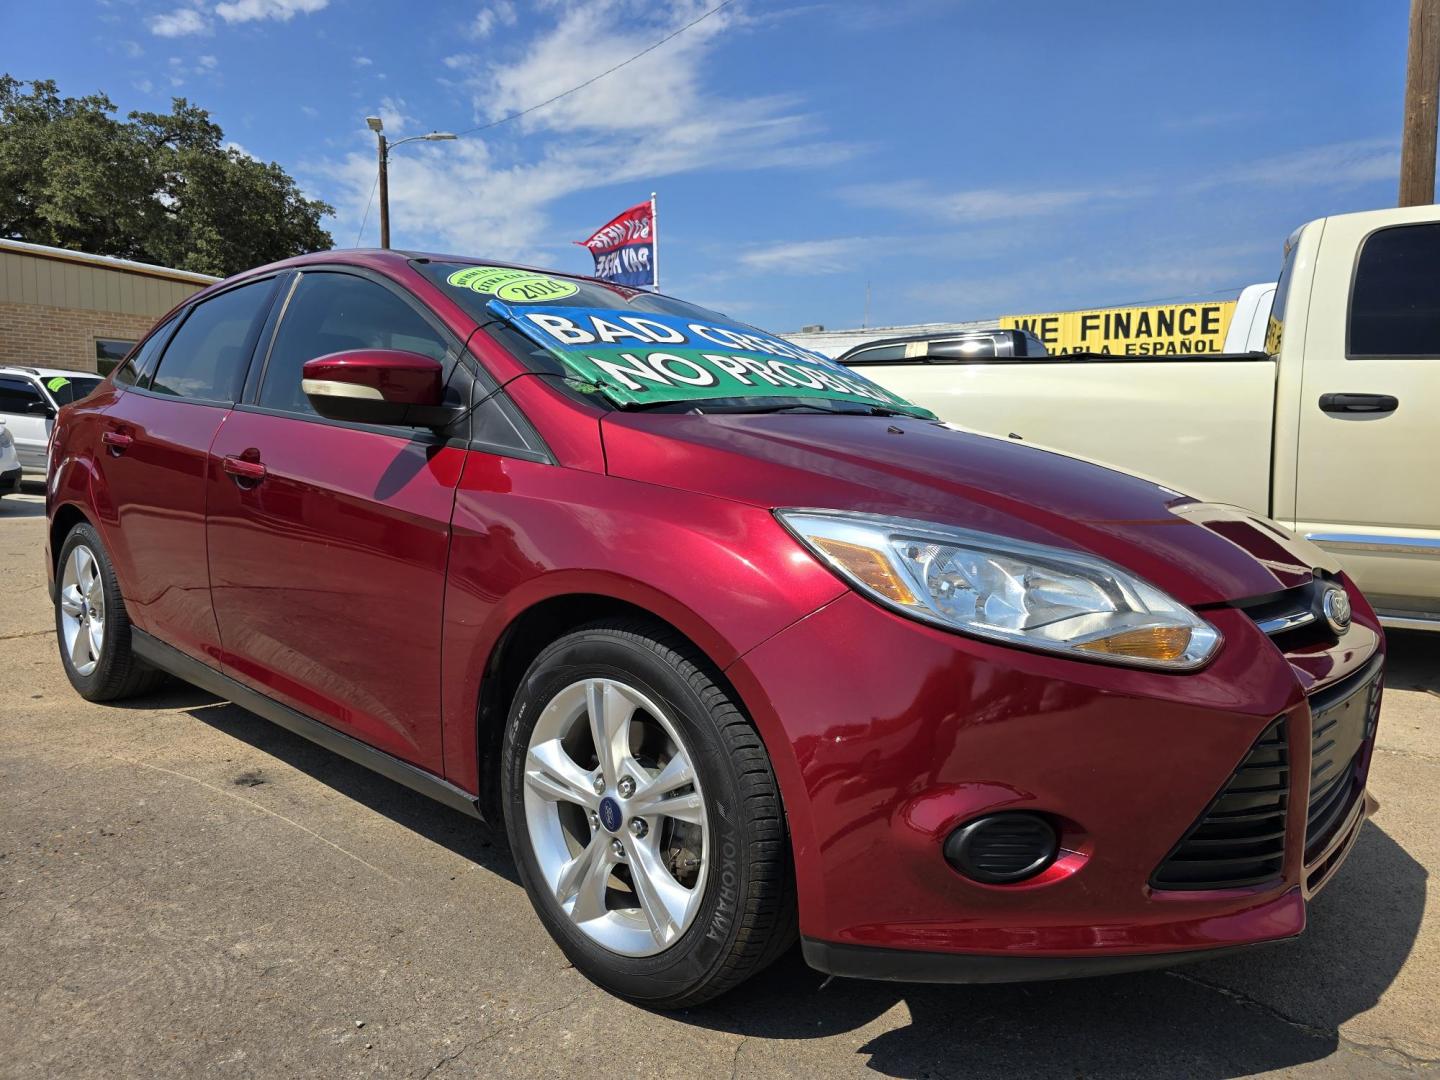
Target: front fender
[724, 574]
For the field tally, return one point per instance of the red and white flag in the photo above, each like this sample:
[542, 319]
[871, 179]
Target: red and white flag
[625, 247]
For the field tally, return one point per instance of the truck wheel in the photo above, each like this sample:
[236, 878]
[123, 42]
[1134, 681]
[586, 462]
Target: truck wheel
[91, 624]
[645, 818]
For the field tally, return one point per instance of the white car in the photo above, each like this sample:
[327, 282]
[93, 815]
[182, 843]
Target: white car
[9, 463]
[29, 399]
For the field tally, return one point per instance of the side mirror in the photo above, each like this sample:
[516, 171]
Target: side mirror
[42, 408]
[377, 386]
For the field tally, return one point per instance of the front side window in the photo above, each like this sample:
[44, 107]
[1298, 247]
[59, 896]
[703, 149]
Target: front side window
[206, 358]
[67, 388]
[19, 397]
[140, 366]
[1395, 306]
[331, 312]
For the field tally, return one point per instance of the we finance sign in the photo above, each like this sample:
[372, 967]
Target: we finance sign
[1156, 330]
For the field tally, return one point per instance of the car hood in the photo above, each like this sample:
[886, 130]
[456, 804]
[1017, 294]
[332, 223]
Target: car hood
[1200, 553]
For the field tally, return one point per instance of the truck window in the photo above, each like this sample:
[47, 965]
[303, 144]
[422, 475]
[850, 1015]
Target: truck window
[1395, 304]
[1275, 327]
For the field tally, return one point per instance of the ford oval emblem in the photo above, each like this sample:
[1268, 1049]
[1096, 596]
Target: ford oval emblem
[1336, 606]
[610, 815]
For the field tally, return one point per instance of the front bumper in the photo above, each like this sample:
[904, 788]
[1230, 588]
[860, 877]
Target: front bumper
[887, 734]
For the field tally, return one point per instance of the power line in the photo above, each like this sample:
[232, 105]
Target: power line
[597, 78]
[366, 216]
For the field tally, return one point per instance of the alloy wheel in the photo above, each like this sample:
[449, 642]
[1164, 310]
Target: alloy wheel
[615, 816]
[82, 609]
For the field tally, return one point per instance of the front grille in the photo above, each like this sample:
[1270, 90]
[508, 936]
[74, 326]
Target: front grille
[1240, 838]
[1342, 723]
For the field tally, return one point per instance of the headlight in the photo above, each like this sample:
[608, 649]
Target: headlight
[1007, 590]
[6, 439]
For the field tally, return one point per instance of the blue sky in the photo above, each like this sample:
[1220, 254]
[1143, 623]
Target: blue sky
[967, 159]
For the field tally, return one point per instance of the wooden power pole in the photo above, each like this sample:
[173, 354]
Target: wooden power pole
[1422, 83]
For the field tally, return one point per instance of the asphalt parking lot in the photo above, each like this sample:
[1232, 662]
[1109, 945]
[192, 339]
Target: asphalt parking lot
[186, 889]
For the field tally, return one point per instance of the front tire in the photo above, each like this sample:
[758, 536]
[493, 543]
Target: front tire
[92, 626]
[645, 817]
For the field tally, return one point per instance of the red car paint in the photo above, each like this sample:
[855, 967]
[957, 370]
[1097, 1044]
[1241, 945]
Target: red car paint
[368, 583]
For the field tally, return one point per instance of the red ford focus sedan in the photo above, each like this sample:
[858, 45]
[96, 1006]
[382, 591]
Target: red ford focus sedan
[736, 643]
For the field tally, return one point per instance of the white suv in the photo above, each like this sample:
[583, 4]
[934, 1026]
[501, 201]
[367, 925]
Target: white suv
[9, 463]
[30, 398]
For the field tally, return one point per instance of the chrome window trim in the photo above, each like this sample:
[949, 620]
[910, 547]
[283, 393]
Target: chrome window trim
[1363, 542]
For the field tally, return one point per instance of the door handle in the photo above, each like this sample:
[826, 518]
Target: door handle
[117, 441]
[1359, 403]
[243, 470]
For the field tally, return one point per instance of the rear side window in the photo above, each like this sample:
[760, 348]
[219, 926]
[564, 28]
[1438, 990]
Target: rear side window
[206, 358]
[142, 364]
[1395, 306]
[331, 313]
[19, 397]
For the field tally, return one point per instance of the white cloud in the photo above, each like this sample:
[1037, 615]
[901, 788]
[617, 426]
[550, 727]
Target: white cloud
[807, 256]
[310, 111]
[500, 13]
[132, 49]
[240, 11]
[208, 63]
[1358, 161]
[178, 23]
[363, 61]
[976, 204]
[655, 118]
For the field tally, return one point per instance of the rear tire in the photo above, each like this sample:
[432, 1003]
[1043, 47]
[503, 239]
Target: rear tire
[669, 919]
[91, 625]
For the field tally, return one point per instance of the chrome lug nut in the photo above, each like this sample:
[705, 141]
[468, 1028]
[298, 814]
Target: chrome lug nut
[627, 787]
[599, 785]
[638, 828]
[617, 847]
[594, 821]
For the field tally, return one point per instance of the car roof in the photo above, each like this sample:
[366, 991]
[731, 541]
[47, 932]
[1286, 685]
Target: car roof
[48, 373]
[392, 259]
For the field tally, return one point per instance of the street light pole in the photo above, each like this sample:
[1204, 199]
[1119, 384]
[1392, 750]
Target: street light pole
[384, 148]
[384, 191]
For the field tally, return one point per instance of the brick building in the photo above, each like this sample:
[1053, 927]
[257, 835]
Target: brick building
[66, 309]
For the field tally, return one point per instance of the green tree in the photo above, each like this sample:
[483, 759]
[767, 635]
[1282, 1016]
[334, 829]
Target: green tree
[157, 187]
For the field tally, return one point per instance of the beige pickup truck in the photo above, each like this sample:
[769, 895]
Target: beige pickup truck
[1332, 428]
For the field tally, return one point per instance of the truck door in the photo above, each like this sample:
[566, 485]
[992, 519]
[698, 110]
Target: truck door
[1369, 448]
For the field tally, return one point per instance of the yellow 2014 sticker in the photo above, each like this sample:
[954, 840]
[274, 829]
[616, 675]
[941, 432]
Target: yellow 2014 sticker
[516, 286]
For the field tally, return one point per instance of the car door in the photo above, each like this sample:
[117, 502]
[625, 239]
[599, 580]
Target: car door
[151, 487]
[1365, 484]
[29, 416]
[328, 541]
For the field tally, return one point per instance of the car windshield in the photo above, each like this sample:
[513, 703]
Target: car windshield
[67, 388]
[641, 350]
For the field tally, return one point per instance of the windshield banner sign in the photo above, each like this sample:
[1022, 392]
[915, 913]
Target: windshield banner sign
[652, 357]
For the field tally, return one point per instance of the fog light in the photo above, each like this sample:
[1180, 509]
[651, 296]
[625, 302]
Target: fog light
[999, 849]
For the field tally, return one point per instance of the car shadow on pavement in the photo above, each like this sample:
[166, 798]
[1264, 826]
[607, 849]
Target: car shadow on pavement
[465, 836]
[1412, 660]
[1264, 1009]
[11, 507]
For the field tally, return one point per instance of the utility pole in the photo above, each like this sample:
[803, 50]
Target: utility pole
[383, 181]
[384, 192]
[1422, 83]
